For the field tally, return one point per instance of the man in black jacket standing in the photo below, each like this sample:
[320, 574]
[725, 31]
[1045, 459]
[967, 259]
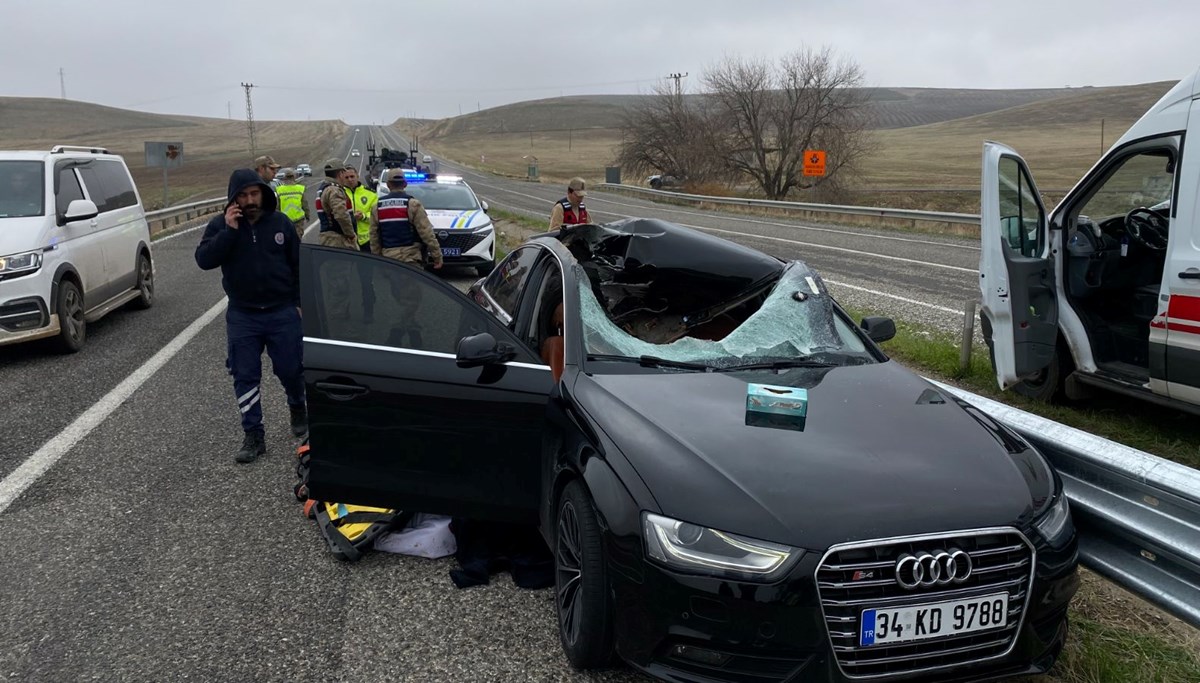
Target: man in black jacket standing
[258, 252]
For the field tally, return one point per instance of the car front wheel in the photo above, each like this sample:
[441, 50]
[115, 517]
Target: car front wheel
[73, 326]
[580, 583]
[145, 283]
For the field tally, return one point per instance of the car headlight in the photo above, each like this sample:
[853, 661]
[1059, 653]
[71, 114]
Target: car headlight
[1055, 524]
[486, 227]
[20, 262]
[694, 548]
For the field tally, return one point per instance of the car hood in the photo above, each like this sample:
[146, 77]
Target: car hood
[882, 453]
[457, 220]
[26, 233]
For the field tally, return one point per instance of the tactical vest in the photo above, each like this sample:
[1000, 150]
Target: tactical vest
[569, 215]
[291, 201]
[395, 230]
[328, 224]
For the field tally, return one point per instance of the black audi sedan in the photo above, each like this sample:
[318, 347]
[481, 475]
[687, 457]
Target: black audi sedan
[735, 482]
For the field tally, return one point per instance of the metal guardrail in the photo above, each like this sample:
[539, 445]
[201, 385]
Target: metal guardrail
[174, 215]
[1138, 515]
[866, 211]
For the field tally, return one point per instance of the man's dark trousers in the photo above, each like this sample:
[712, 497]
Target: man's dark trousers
[280, 332]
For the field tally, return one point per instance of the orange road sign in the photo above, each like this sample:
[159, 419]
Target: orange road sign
[814, 162]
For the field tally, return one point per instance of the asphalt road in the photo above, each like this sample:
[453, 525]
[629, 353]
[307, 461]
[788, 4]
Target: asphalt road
[144, 553]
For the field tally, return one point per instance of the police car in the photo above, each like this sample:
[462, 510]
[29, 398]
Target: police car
[459, 218]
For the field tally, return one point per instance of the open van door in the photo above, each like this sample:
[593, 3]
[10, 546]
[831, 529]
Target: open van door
[1016, 272]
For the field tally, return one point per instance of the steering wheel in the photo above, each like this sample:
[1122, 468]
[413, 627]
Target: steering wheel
[1147, 228]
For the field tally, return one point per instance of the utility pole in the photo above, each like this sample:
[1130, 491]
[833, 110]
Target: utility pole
[62, 82]
[250, 120]
[1101, 137]
[677, 77]
[229, 109]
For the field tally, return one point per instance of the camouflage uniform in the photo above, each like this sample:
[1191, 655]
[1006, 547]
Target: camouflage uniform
[404, 290]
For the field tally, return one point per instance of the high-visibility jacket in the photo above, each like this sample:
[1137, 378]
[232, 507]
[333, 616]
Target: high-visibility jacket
[291, 201]
[364, 200]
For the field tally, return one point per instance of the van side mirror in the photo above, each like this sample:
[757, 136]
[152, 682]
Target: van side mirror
[879, 329]
[482, 349]
[81, 210]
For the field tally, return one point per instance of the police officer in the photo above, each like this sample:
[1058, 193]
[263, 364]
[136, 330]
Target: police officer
[570, 209]
[338, 229]
[363, 200]
[266, 168]
[399, 226]
[258, 253]
[291, 201]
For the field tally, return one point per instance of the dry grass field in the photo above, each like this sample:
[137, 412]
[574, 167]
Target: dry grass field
[932, 166]
[212, 147]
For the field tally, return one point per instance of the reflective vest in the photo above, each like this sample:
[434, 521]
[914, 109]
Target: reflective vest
[327, 222]
[291, 201]
[569, 215]
[395, 230]
[364, 200]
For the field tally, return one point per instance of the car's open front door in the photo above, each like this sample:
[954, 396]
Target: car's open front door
[1017, 279]
[394, 420]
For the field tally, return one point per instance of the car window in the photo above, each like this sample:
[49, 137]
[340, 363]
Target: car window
[409, 310]
[108, 184]
[1142, 180]
[1020, 213]
[68, 190]
[443, 196]
[21, 190]
[507, 281]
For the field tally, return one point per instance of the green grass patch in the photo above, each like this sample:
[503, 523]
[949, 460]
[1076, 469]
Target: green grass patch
[934, 353]
[1104, 653]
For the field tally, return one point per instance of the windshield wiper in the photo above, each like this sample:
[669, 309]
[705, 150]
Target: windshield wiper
[653, 362]
[780, 365]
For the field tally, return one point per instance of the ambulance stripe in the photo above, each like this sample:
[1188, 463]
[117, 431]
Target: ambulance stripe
[1184, 308]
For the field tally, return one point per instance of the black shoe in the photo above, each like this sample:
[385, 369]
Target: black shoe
[253, 445]
[299, 420]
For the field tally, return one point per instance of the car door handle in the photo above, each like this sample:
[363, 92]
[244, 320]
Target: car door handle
[341, 391]
[1190, 274]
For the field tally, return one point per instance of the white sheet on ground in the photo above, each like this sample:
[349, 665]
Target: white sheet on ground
[426, 536]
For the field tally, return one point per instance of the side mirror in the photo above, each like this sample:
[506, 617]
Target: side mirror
[484, 205]
[482, 349]
[879, 329]
[81, 210]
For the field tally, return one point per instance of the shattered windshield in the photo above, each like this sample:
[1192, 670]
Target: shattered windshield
[794, 320]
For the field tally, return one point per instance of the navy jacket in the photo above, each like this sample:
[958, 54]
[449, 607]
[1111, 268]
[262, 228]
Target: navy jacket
[260, 263]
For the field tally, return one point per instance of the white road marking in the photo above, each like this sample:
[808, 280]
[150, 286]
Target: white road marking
[893, 296]
[40, 462]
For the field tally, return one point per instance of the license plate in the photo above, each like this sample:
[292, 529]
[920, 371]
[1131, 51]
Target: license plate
[451, 251]
[934, 620]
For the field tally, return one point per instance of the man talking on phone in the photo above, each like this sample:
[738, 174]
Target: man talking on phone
[258, 252]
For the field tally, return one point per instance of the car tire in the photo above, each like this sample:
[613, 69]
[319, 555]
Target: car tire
[145, 283]
[485, 269]
[1047, 387]
[580, 582]
[73, 326]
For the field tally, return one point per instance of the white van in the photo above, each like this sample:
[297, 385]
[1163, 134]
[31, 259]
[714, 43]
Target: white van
[74, 243]
[1105, 290]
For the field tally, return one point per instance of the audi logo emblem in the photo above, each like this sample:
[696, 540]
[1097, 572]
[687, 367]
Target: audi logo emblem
[926, 570]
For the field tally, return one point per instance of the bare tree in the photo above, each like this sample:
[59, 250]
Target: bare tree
[669, 133]
[767, 115]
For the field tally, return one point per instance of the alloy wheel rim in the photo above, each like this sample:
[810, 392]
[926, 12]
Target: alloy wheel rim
[147, 280]
[74, 313]
[568, 567]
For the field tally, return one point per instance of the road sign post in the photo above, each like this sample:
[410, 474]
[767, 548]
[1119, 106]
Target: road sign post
[164, 155]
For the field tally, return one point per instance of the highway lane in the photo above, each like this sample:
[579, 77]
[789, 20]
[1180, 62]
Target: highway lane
[921, 278]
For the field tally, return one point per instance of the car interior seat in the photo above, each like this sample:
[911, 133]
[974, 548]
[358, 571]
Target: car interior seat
[552, 347]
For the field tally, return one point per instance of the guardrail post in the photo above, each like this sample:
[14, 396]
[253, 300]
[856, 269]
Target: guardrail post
[968, 336]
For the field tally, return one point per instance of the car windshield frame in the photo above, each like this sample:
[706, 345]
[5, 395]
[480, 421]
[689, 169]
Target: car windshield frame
[422, 192]
[12, 206]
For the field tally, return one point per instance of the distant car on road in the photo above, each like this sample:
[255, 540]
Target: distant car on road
[354, 153]
[74, 244]
[303, 170]
[734, 481]
[427, 159]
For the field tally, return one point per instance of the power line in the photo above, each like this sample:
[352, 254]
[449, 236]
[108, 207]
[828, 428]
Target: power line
[250, 120]
[677, 77]
[427, 91]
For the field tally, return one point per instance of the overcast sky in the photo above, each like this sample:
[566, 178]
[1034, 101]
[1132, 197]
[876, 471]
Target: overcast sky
[368, 62]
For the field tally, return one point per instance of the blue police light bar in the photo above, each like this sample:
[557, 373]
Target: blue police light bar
[414, 176]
